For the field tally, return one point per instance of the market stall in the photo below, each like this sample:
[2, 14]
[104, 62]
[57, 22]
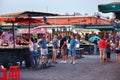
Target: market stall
[12, 54]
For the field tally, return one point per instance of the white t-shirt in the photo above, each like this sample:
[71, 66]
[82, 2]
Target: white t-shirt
[1, 42]
[6, 36]
[31, 47]
[35, 46]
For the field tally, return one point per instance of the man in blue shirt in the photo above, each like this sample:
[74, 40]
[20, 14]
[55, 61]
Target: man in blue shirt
[72, 49]
[43, 45]
[44, 50]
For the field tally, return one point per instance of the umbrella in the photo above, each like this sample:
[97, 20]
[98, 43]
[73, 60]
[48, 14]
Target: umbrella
[93, 38]
[29, 15]
[110, 7]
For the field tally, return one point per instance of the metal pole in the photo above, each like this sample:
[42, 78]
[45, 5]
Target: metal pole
[29, 27]
[13, 27]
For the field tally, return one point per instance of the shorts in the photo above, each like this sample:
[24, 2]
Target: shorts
[72, 52]
[64, 51]
[44, 52]
[117, 51]
[102, 53]
[55, 51]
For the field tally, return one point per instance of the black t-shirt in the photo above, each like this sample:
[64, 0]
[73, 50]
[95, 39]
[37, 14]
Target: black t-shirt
[62, 42]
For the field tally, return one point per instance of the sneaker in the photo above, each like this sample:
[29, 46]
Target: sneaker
[64, 61]
[56, 62]
[73, 62]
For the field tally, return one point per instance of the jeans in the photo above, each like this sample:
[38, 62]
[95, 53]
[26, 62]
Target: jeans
[35, 56]
[95, 49]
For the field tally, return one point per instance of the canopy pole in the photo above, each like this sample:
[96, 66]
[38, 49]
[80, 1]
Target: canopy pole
[13, 27]
[29, 27]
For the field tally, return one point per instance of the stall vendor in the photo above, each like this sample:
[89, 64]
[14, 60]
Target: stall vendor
[7, 36]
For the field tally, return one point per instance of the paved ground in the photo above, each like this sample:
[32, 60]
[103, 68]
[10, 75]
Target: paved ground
[87, 68]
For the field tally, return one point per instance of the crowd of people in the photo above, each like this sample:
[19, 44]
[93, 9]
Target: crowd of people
[108, 46]
[38, 47]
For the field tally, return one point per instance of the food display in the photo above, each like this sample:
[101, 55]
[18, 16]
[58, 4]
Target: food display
[12, 47]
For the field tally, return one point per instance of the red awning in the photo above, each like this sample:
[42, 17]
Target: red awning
[25, 21]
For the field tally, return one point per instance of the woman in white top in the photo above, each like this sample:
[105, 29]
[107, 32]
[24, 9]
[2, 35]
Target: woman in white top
[30, 43]
[118, 53]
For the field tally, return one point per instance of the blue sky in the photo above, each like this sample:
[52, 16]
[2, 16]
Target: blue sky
[53, 6]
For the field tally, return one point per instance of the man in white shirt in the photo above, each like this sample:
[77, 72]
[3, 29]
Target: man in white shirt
[7, 36]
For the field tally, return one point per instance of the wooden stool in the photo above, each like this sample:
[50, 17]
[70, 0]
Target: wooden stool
[4, 74]
[14, 73]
